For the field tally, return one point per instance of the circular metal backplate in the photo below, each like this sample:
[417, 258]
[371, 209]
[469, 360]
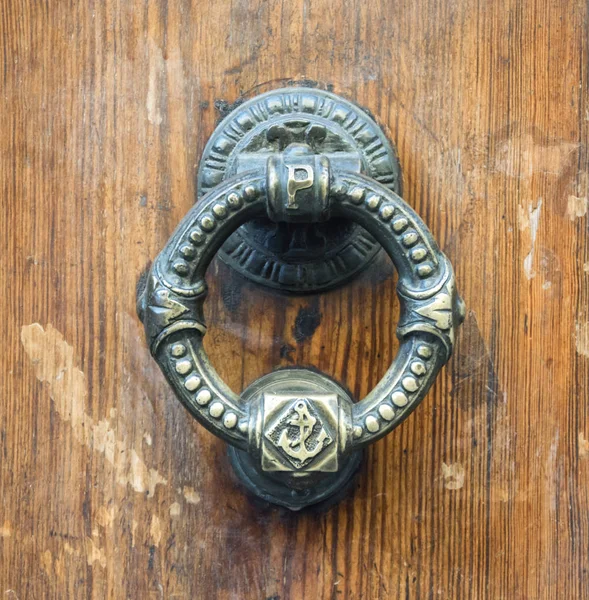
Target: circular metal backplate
[286, 256]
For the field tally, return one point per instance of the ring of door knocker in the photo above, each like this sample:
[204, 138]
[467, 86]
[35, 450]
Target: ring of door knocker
[274, 173]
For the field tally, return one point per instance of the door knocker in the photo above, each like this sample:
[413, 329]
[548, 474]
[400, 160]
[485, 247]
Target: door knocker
[276, 166]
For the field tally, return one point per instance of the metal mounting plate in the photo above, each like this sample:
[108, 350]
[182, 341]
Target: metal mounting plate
[288, 256]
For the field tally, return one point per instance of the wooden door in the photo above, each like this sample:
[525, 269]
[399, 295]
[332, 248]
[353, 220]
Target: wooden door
[108, 489]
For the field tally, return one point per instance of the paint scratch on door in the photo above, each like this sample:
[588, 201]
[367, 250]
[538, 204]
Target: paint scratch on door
[5, 530]
[583, 446]
[523, 156]
[155, 530]
[531, 221]
[55, 365]
[157, 67]
[94, 553]
[582, 338]
[191, 495]
[576, 207]
[453, 475]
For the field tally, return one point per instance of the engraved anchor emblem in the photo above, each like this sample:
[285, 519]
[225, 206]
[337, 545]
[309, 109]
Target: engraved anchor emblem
[305, 422]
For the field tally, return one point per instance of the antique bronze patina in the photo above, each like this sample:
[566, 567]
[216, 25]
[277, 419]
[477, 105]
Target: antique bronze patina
[298, 190]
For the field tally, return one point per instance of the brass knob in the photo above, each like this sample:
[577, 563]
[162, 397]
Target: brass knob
[296, 435]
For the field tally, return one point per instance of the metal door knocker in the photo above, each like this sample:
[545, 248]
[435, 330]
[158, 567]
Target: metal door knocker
[299, 189]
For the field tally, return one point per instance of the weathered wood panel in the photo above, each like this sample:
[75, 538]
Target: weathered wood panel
[107, 489]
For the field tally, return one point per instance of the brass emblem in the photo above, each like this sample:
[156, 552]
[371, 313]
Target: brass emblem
[301, 423]
[300, 177]
[299, 434]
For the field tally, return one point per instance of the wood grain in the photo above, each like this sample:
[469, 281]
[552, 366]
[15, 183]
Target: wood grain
[108, 489]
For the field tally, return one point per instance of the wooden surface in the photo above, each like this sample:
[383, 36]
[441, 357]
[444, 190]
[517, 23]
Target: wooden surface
[107, 488]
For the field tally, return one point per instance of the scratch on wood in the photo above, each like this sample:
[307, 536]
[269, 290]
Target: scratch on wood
[105, 516]
[54, 363]
[583, 446]
[582, 338]
[191, 496]
[523, 220]
[133, 531]
[475, 380]
[576, 207]
[47, 562]
[94, 553]
[522, 157]
[155, 530]
[453, 475]
[156, 68]
[532, 221]
[5, 530]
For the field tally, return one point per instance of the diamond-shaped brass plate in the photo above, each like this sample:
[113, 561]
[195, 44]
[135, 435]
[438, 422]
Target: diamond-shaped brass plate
[300, 432]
